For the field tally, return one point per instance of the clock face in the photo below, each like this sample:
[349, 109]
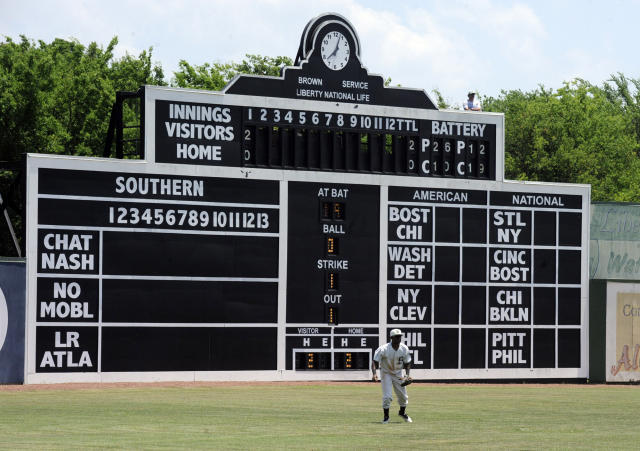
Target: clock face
[335, 50]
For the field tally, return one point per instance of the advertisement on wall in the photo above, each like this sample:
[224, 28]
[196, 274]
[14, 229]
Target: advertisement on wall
[623, 332]
[614, 247]
[12, 305]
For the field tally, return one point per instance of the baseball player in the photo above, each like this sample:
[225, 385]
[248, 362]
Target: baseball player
[392, 358]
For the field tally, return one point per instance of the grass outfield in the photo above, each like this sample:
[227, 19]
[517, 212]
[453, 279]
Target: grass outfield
[320, 416]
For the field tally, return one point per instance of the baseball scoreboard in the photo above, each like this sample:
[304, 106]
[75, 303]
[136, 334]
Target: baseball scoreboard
[280, 228]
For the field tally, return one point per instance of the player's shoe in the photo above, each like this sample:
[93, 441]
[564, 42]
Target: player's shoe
[406, 417]
[385, 420]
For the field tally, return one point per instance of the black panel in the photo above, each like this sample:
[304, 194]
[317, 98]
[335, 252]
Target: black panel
[68, 251]
[509, 265]
[410, 223]
[160, 254]
[510, 227]
[544, 348]
[568, 348]
[312, 218]
[197, 133]
[544, 270]
[509, 348]
[447, 263]
[419, 343]
[445, 348]
[437, 195]
[153, 216]
[447, 225]
[545, 228]
[409, 304]
[473, 348]
[409, 262]
[474, 305]
[156, 186]
[446, 304]
[510, 305]
[474, 225]
[569, 311]
[569, 266]
[537, 200]
[179, 301]
[66, 349]
[474, 264]
[188, 349]
[570, 230]
[68, 300]
[544, 305]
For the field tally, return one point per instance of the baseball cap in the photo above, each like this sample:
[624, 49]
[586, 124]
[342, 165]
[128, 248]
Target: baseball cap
[395, 332]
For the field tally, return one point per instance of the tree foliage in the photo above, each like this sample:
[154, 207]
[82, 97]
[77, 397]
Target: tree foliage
[57, 97]
[579, 133]
[215, 76]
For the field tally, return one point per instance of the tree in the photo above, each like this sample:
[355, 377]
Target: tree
[57, 98]
[215, 77]
[575, 134]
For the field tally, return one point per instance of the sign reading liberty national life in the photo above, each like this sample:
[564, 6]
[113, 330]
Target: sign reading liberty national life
[280, 228]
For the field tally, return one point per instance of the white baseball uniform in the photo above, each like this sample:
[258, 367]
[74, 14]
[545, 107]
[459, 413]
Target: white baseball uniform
[391, 361]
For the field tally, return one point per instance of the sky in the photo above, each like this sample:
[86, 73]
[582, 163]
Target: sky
[454, 46]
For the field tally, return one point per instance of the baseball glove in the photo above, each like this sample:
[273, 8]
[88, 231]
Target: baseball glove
[407, 380]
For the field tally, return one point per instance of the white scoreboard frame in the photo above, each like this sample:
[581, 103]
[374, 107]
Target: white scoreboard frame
[149, 166]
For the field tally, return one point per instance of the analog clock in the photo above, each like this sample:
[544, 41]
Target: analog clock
[335, 50]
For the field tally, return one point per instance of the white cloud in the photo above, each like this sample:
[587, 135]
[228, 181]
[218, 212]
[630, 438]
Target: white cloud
[454, 45]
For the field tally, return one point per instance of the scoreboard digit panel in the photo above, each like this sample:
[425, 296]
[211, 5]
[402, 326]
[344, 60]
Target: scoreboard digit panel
[294, 134]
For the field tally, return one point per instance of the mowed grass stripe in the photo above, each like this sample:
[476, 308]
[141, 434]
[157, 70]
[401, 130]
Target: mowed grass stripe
[321, 416]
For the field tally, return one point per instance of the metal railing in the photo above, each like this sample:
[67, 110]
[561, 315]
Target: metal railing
[117, 126]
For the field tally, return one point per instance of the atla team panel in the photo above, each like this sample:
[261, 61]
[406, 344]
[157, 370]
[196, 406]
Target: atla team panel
[279, 229]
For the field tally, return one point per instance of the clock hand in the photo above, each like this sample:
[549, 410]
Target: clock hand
[335, 50]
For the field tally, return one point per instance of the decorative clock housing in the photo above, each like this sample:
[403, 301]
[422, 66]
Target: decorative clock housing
[335, 50]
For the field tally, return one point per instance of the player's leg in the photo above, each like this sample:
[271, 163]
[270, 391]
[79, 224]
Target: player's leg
[403, 398]
[387, 397]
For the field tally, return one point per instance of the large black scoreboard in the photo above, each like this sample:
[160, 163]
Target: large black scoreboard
[279, 229]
